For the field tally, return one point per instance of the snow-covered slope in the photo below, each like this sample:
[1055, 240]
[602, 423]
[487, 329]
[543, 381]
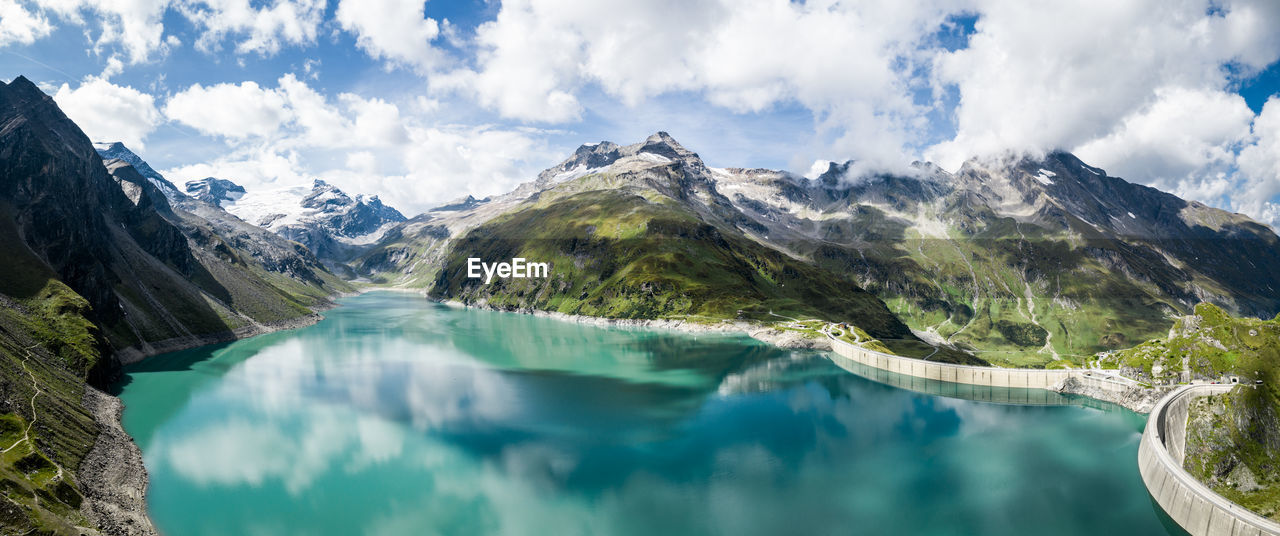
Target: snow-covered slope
[334, 225]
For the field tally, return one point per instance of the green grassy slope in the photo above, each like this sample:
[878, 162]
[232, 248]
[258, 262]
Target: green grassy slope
[617, 254]
[1003, 290]
[46, 343]
[1233, 440]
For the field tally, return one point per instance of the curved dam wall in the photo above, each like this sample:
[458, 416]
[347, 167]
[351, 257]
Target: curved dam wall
[966, 374]
[967, 391]
[1195, 507]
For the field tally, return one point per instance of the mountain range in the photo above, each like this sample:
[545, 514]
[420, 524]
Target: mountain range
[100, 269]
[1022, 261]
[1039, 261]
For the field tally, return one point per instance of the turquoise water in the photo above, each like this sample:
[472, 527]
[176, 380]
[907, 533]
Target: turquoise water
[398, 416]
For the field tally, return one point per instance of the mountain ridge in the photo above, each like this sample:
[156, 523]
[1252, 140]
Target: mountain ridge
[1015, 254]
[100, 268]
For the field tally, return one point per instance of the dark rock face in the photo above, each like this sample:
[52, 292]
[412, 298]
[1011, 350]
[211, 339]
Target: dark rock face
[214, 191]
[210, 227]
[149, 270]
[118, 151]
[338, 213]
[335, 226]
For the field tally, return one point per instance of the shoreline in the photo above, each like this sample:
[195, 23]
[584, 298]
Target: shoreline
[138, 352]
[785, 339]
[113, 476]
[1135, 399]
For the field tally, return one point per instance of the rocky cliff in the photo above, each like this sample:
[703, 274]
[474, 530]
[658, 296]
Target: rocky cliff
[100, 266]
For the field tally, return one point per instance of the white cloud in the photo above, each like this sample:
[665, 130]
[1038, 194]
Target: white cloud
[265, 29]
[320, 124]
[448, 162]
[292, 134]
[135, 25]
[397, 31]
[257, 167]
[362, 162]
[377, 122]
[1038, 77]
[233, 111]
[1181, 136]
[18, 25]
[107, 112]
[1260, 167]
[851, 65]
[114, 67]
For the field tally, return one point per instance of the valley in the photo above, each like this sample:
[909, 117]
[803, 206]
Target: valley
[1015, 262]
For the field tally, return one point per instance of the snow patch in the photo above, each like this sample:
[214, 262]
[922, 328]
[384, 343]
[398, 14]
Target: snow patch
[655, 158]
[1132, 216]
[259, 206]
[1043, 177]
[577, 171]
[1090, 170]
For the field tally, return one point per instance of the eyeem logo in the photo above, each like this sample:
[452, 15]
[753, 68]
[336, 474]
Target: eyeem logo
[517, 268]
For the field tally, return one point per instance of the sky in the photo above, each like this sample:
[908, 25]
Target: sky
[423, 103]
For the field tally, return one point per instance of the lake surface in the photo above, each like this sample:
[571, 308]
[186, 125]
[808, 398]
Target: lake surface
[399, 416]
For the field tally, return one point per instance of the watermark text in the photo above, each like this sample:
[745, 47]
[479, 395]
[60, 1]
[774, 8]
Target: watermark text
[518, 268]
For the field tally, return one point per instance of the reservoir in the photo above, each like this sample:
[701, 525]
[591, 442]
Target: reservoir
[395, 415]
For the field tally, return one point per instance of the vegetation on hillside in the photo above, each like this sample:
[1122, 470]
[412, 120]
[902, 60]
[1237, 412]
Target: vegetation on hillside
[618, 254]
[1233, 440]
[46, 344]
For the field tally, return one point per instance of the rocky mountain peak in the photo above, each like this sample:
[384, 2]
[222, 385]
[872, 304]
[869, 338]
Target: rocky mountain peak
[590, 158]
[324, 195]
[215, 191]
[661, 143]
[117, 151]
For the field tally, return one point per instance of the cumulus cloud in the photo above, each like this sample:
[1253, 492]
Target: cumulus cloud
[1260, 167]
[292, 134]
[1182, 135]
[20, 25]
[230, 110]
[264, 29]
[1037, 77]
[107, 112]
[852, 65]
[397, 31]
[135, 25]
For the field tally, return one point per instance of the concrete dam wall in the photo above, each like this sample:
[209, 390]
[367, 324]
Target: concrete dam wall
[966, 374]
[1195, 507]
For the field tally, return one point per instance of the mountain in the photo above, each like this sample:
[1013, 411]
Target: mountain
[1026, 261]
[117, 151]
[213, 190]
[1029, 260]
[1232, 439]
[635, 232]
[100, 268]
[332, 224]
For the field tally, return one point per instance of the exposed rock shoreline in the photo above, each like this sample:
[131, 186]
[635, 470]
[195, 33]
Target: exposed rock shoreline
[781, 338]
[112, 477]
[1135, 399]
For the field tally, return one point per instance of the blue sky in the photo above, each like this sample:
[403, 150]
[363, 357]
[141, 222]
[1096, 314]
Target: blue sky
[424, 102]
